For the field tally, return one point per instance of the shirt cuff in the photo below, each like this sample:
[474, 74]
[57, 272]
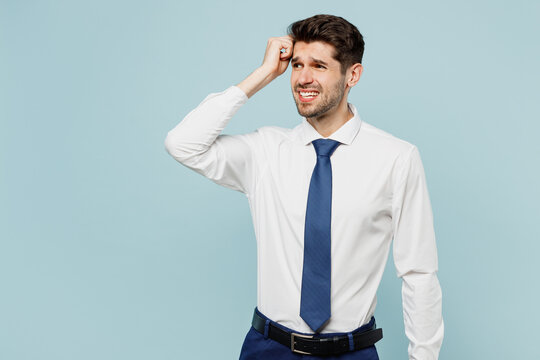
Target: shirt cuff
[237, 92]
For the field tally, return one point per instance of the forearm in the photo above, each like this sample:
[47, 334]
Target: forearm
[256, 81]
[422, 314]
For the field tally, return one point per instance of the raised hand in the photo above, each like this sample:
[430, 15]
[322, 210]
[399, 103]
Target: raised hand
[276, 59]
[277, 56]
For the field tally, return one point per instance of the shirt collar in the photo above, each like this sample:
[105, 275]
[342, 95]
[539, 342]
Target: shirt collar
[345, 134]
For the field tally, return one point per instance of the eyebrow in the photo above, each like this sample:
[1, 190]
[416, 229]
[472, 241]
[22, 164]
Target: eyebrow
[318, 61]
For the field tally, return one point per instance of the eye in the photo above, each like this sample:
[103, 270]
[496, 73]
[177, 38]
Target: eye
[296, 65]
[319, 66]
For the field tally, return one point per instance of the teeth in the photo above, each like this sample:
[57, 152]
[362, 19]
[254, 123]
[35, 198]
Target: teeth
[309, 94]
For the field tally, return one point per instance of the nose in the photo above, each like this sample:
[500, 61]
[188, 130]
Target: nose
[305, 76]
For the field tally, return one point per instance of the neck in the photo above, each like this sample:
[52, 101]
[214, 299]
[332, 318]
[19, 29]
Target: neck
[331, 121]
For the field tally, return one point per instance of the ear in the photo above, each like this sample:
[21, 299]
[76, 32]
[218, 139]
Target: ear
[354, 73]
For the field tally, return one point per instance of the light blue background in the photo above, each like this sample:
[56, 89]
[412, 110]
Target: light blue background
[111, 250]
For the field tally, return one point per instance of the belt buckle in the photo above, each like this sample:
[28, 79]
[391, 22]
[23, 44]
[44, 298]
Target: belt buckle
[293, 342]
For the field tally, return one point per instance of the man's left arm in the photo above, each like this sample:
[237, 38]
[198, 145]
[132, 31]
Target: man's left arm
[415, 257]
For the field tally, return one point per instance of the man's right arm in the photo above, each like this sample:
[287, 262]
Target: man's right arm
[228, 160]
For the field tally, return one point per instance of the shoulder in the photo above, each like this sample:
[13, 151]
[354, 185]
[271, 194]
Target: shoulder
[383, 141]
[275, 130]
[400, 155]
[276, 133]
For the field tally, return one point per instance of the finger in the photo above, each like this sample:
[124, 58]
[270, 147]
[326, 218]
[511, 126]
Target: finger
[286, 43]
[285, 53]
[286, 50]
[287, 38]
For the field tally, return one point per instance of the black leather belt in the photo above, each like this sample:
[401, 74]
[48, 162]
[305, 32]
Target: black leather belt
[316, 345]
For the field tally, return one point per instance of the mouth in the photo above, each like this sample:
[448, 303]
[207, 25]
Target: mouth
[307, 95]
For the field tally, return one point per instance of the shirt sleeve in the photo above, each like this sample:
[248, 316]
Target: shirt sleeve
[415, 258]
[197, 142]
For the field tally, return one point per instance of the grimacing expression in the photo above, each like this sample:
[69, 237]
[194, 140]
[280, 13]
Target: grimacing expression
[317, 82]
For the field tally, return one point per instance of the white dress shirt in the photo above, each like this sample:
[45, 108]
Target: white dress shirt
[379, 193]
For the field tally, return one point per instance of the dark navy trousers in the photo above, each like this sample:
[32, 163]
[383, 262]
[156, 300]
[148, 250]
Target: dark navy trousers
[257, 347]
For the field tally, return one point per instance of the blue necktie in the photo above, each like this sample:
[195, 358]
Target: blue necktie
[315, 299]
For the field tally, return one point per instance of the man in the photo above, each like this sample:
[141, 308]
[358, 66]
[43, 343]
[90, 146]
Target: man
[327, 198]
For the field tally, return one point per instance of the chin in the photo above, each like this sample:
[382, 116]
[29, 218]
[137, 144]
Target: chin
[307, 113]
[302, 110]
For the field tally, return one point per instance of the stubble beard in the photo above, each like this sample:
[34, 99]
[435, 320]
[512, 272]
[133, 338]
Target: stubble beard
[327, 101]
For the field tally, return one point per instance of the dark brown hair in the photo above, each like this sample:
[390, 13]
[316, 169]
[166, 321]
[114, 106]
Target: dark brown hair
[334, 30]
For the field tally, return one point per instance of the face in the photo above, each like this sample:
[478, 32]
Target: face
[317, 83]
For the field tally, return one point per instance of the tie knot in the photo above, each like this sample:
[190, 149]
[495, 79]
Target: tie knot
[325, 147]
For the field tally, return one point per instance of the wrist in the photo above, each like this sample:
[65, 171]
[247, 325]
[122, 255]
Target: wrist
[266, 72]
[258, 79]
